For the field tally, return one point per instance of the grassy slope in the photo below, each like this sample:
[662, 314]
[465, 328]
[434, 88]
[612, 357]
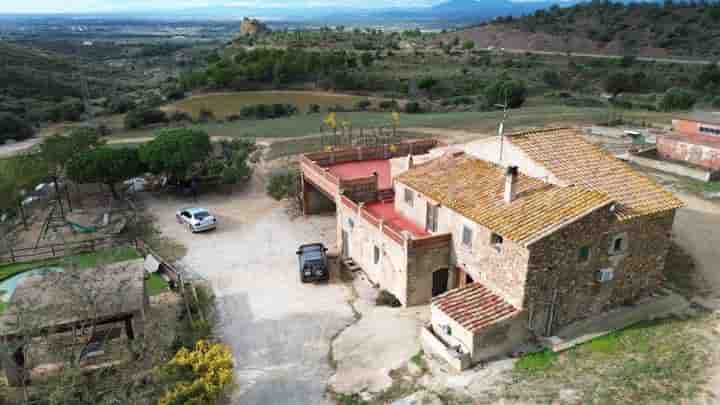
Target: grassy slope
[651, 362]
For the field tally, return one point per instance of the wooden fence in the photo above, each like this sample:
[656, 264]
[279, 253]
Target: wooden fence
[49, 251]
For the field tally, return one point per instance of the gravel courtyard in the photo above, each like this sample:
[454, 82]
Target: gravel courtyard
[279, 329]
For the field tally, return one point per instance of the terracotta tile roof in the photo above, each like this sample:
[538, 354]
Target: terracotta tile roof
[474, 306]
[574, 160]
[474, 188]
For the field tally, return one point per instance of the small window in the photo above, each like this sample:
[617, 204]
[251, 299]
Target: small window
[605, 275]
[584, 254]
[376, 255]
[351, 223]
[467, 236]
[496, 239]
[409, 197]
[619, 244]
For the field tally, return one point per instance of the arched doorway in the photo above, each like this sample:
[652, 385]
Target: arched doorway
[440, 281]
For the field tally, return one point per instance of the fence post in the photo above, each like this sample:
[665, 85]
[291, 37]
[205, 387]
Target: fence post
[12, 255]
[52, 248]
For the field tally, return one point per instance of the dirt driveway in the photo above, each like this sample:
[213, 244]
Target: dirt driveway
[279, 329]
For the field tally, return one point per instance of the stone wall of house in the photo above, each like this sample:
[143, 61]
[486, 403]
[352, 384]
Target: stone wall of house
[501, 267]
[421, 264]
[564, 288]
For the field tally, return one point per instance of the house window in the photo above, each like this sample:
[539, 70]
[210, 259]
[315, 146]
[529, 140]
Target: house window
[351, 224]
[376, 255]
[431, 220]
[605, 275]
[618, 244]
[467, 236]
[409, 197]
[584, 254]
[496, 239]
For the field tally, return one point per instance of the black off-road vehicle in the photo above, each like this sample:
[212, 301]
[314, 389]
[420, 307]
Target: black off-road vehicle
[313, 263]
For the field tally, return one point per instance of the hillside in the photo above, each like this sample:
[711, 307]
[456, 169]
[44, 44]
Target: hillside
[34, 82]
[640, 29]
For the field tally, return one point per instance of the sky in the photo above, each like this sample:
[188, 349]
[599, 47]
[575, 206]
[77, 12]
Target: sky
[85, 6]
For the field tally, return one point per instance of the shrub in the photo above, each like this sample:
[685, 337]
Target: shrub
[283, 185]
[266, 111]
[551, 78]
[536, 362]
[413, 107]
[386, 298]
[363, 105]
[313, 108]
[139, 118]
[120, 105]
[715, 102]
[677, 99]
[179, 116]
[202, 376]
[206, 115]
[388, 105]
[12, 127]
[503, 89]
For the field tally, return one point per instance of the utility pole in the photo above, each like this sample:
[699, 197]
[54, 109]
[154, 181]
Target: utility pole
[501, 129]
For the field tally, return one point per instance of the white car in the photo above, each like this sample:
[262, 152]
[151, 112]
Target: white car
[196, 219]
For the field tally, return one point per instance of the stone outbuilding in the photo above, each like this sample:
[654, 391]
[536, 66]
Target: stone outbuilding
[104, 300]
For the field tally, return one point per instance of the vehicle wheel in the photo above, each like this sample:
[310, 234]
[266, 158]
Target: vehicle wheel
[302, 279]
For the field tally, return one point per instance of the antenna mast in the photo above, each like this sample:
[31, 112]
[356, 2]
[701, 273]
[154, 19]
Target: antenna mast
[501, 129]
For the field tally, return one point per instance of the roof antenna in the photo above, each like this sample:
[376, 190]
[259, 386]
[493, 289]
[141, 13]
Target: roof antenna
[501, 129]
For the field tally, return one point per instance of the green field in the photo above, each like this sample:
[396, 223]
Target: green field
[225, 104]
[299, 129]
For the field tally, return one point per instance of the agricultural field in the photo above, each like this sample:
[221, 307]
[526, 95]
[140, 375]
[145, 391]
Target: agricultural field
[225, 104]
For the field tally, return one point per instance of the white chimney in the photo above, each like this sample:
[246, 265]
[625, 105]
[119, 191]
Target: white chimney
[511, 175]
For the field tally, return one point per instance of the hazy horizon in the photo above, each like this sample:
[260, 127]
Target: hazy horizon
[130, 6]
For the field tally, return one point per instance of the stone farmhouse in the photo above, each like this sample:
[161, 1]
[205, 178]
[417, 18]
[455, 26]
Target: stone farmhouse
[507, 238]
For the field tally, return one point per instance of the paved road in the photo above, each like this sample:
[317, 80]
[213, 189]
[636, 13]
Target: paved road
[280, 330]
[601, 56]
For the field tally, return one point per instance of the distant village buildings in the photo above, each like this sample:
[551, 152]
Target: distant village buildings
[694, 140]
[506, 238]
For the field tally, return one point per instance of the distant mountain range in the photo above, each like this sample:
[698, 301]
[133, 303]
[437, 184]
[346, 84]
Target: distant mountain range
[452, 13]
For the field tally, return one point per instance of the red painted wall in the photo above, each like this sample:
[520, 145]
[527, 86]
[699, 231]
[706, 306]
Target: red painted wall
[687, 127]
[697, 154]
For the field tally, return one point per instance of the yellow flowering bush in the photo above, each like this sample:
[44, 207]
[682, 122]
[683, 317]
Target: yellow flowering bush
[208, 372]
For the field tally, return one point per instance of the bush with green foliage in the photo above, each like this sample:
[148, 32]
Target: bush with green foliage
[363, 105]
[677, 99]
[119, 105]
[283, 184]
[413, 107]
[389, 105]
[313, 108]
[504, 89]
[142, 117]
[175, 151]
[13, 127]
[267, 111]
[105, 165]
[552, 78]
